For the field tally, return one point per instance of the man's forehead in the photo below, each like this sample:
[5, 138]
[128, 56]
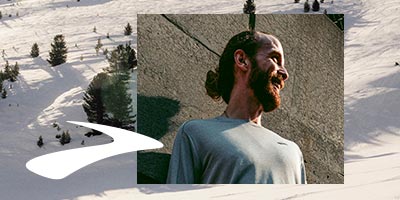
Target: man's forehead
[270, 41]
[269, 44]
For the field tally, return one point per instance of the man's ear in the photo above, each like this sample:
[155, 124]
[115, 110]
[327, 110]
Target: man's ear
[241, 60]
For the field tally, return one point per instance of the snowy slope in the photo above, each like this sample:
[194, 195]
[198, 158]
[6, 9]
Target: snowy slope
[44, 95]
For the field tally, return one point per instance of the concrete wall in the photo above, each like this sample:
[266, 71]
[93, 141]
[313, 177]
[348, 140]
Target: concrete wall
[176, 51]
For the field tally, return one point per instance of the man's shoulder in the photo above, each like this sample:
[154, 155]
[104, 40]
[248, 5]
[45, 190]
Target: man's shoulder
[282, 141]
[196, 125]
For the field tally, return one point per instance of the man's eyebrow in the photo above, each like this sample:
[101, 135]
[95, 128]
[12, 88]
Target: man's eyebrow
[275, 53]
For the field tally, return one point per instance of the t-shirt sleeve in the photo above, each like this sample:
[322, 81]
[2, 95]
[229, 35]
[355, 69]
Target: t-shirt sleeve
[303, 171]
[184, 167]
[300, 167]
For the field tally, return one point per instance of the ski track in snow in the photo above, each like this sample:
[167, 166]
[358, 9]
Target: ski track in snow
[43, 95]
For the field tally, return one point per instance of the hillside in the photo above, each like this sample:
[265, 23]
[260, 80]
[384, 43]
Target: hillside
[43, 95]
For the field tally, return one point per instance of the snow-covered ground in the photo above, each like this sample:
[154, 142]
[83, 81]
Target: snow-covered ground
[43, 95]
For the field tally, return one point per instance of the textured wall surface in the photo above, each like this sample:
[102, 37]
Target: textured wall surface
[176, 51]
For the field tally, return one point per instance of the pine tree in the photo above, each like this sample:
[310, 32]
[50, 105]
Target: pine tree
[108, 36]
[65, 138]
[306, 6]
[119, 113]
[7, 71]
[3, 93]
[107, 100]
[118, 102]
[95, 29]
[128, 29]
[98, 46]
[132, 60]
[93, 100]
[14, 72]
[315, 6]
[1, 15]
[105, 52]
[296, 1]
[122, 59]
[58, 53]
[35, 50]
[54, 125]
[40, 142]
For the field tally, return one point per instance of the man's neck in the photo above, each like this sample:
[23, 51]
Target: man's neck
[244, 106]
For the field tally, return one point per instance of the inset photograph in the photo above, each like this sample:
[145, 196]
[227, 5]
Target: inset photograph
[240, 99]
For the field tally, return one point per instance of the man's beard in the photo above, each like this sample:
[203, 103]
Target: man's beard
[264, 91]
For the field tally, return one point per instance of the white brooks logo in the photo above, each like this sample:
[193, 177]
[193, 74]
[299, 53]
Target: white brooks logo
[60, 164]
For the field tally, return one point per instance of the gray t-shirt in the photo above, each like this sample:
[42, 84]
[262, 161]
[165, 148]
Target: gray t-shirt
[223, 150]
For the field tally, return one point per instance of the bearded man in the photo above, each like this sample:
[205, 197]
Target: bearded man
[234, 147]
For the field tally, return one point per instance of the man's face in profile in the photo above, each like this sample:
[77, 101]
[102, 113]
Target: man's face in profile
[268, 73]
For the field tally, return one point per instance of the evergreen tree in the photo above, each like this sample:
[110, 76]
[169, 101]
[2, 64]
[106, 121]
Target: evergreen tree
[35, 50]
[93, 100]
[40, 142]
[122, 59]
[95, 29]
[54, 125]
[58, 53]
[98, 46]
[1, 15]
[108, 36]
[132, 60]
[306, 6]
[2, 77]
[14, 72]
[105, 52]
[65, 138]
[296, 1]
[118, 102]
[107, 100]
[315, 6]
[128, 29]
[7, 71]
[3, 93]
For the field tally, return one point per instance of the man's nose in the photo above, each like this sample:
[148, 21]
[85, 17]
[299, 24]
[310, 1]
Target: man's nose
[283, 73]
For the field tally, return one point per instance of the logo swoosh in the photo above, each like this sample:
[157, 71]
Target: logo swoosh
[59, 165]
